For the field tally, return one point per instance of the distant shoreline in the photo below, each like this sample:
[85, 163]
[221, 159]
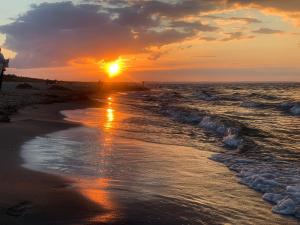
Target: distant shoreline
[19, 94]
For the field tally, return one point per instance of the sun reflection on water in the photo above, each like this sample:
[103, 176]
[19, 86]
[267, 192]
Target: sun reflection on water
[110, 116]
[97, 193]
[97, 189]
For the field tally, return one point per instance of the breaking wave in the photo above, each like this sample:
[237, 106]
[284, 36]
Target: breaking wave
[277, 180]
[250, 121]
[291, 107]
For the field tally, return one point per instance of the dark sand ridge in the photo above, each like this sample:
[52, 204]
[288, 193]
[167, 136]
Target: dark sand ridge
[29, 197]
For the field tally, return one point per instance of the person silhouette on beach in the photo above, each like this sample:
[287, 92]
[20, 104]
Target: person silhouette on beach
[3, 65]
[2, 60]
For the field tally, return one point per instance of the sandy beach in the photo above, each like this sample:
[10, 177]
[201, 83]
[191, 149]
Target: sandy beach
[33, 109]
[111, 161]
[29, 197]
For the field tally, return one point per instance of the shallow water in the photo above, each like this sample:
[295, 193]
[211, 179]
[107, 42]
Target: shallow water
[145, 157]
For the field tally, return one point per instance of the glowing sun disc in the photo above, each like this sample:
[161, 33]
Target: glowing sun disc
[114, 68]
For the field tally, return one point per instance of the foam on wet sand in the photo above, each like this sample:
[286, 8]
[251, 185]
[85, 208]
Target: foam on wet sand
[280, 184]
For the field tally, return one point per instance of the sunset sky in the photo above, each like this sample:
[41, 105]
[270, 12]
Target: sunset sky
[166, 40]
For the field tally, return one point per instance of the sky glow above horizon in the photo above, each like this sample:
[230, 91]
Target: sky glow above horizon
[184, 40]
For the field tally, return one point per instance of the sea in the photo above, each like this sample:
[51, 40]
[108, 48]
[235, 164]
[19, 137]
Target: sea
[226, 153]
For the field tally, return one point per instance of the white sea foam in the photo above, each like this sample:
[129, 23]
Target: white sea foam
[248, 138]
[230, 134]
[272, 197]
[286, 206]
[291, 107]
[232, 141]
[210, 124]
[295, 109]
[280, 184]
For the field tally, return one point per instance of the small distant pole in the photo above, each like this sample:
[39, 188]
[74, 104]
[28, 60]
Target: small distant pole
[100, 85]
[143, 83]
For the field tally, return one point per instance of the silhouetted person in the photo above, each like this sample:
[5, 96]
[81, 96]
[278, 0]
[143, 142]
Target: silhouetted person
[3, 65]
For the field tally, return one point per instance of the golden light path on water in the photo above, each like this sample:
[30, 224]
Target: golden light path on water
[95, 189]
[109, 115]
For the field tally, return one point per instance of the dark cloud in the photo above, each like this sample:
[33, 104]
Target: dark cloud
[237, 36]
[51, 34]
[196, 26]
[268, 31]
[173, 9]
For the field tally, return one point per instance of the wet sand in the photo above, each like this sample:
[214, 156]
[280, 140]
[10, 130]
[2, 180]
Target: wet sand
[29, 197]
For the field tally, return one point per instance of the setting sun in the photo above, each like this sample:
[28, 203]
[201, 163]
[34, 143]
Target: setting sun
[113, 68]
[170, 112]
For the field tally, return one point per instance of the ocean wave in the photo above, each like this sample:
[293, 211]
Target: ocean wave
[231, 133]
[291, 107]
[295, 110]
[206, 96]
[278, 182]
[159, 97]
[191, 116]
[233, 141]
[263, 96]
[250, 148]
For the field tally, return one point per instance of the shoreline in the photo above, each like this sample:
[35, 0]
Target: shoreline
[146, 182]
[27, 196]
[47, 119]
